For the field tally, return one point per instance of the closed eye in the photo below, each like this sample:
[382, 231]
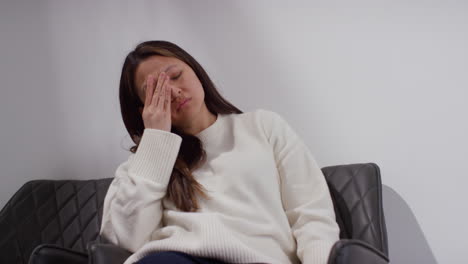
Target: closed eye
[177, 77]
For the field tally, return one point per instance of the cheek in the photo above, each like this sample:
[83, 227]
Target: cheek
[195, 88]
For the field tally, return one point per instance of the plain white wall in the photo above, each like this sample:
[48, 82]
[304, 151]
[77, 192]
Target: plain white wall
[360, 81]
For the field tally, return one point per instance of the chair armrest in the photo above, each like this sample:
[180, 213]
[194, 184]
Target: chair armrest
[353, 251]
[55, 254]
[106, 253]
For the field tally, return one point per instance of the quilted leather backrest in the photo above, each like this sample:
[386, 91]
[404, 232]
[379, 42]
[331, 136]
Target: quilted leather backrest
[356, 191]
[68, 213]
[62, 212]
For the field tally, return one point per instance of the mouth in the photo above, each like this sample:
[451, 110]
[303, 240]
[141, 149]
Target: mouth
[183, 103]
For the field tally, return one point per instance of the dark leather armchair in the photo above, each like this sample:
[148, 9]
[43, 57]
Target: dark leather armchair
[58, 221]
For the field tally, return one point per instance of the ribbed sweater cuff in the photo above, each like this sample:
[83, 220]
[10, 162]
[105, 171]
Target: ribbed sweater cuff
[318, 253]
[156, 155]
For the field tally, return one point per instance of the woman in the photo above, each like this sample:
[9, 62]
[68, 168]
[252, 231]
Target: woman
[205, 182]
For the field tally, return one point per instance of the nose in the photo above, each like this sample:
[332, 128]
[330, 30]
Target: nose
[174, 93]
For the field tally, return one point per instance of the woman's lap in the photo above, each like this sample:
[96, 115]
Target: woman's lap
[176, 257]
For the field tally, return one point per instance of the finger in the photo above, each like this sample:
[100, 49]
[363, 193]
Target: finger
[149, 90]
[162, 96]
[159, 84]
[168, 99]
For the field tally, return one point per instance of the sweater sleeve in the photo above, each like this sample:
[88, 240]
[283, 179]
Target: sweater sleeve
[132, 207]
[304, 192]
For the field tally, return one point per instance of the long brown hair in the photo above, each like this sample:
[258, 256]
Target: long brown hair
[182, 186]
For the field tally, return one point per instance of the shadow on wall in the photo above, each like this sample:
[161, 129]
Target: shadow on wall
[406, 240]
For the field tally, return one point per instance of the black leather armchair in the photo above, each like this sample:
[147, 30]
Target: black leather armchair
[58, 221]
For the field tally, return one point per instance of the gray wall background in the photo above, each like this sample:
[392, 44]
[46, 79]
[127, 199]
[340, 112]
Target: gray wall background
[360, 81]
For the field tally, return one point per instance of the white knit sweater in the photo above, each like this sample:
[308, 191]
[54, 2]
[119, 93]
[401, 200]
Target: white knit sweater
[270, 201]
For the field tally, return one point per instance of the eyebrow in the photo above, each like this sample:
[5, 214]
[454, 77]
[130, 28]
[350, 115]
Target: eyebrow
[143, 87]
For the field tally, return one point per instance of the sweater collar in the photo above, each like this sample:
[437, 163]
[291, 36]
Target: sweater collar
[213, 130]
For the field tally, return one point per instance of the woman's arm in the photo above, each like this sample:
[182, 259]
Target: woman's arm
[304, 192]
[133, 203]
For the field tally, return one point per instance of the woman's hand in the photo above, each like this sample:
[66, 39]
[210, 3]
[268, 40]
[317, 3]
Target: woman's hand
[157, 110]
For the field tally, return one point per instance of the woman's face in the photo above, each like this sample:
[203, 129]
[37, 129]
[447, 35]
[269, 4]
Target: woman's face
[183, 84]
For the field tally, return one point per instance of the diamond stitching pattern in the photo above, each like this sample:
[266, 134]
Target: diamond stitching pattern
[66, 213]
[360, 188]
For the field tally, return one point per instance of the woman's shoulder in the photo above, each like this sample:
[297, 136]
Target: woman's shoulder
[267, 119]
[261, 113]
